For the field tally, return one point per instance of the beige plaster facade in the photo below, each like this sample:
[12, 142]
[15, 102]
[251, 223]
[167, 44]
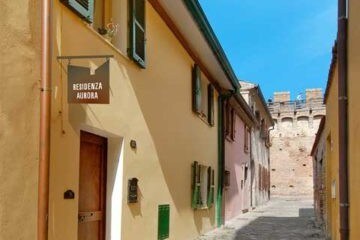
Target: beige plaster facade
[260, 144]
[19, 118]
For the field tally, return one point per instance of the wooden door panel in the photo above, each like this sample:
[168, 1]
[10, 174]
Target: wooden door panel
[90, 176]
[89, 231]
[92, 187]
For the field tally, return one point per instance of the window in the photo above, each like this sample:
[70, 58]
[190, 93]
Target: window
[232, 126]
[203, 186]
[137, 31]
[84, 8]
[99, 13]
[227, 119]
[203, 96]
[94, 12]
[246, 139]
[257, 115]
[263, 130]
[230, 118]
[246, 169]
[227, 179]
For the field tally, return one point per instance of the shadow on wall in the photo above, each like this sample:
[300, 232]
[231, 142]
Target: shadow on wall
[275, 228]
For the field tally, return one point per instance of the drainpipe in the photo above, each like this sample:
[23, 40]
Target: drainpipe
[221, 156]
[45, 101]
[343, 120]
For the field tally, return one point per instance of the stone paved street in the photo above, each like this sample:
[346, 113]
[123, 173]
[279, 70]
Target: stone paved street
[280, 219]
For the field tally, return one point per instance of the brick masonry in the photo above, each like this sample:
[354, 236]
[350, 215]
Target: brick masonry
[292, 139]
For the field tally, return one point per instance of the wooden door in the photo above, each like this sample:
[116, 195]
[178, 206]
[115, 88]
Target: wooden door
[92, 187]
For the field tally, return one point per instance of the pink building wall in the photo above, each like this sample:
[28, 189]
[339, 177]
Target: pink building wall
[237, 195]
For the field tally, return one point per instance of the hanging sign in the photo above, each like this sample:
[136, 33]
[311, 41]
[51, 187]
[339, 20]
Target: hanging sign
[84, 87]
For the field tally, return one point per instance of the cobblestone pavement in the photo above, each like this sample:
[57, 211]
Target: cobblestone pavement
[280, 219]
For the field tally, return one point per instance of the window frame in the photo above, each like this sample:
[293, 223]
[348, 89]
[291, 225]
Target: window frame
[198, 184]
[247, 139]
[80, 10]
[230, 122]
[134, 25]
[203, 92]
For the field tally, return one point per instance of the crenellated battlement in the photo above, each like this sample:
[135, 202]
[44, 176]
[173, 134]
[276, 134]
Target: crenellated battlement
[300, 115]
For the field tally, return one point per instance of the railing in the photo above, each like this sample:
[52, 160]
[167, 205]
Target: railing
[297, 105]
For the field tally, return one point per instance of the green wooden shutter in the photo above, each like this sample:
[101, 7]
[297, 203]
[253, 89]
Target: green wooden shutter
[163, 221]
[84, 8]
[211, 105]
[195, 199]
[196, 88]
[137, 31]
[211, 187]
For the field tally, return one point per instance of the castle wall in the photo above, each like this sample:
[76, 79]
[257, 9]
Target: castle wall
[296, 123]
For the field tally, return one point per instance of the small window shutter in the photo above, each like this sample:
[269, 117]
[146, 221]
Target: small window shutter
[232, 127]
[84, 8]
[211, 187]
[211, 105]
[137, 31]
[245, 138]
[196, 87]
[195, 201]
[227, 119]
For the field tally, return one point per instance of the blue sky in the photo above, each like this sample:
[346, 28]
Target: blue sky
[283, 45]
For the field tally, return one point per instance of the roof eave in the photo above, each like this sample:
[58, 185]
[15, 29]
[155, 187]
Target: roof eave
[331, 71]
[318, 135]
[199, 17]
[262, 99]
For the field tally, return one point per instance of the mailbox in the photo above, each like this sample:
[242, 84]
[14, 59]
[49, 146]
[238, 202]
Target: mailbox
[133, 190]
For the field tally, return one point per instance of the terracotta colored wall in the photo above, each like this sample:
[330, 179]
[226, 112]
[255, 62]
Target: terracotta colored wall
[151, 106]
[19, 117]
[354, 116]
[237, 198]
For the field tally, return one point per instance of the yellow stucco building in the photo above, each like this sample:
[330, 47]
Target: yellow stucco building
[353, 117]
[144, 164]
[343, 225]
[19, 118]
[151, 104]
[331, 149]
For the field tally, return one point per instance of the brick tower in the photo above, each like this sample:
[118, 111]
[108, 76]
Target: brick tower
[296, 123]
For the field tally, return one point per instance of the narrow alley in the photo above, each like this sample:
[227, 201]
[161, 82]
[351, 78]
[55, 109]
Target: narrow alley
[279, 219]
